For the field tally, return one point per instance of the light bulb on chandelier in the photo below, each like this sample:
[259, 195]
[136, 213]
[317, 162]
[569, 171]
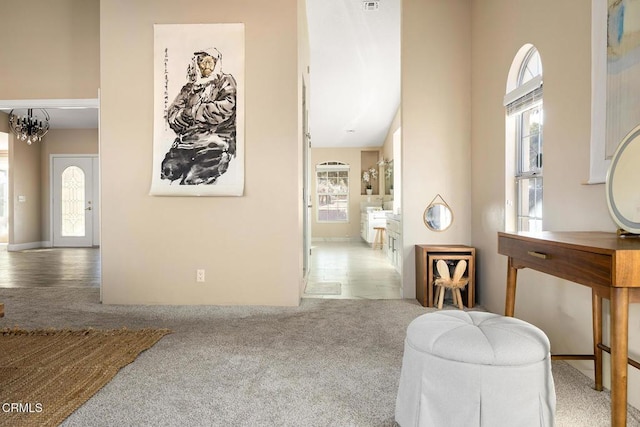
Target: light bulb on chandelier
[29, 128]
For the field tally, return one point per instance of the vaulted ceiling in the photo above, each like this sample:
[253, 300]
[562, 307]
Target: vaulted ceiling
[354, 74]
[354, 71]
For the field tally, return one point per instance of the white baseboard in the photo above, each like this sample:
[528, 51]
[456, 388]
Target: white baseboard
[24, 246]
[337, 239]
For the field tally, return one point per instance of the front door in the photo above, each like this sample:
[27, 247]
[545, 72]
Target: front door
[74, 201]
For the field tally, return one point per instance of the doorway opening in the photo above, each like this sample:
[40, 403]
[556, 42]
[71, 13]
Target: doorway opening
[354, 111]
[32, 256]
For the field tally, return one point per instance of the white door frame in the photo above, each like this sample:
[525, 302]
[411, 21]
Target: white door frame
[306, 186]
[96, 195]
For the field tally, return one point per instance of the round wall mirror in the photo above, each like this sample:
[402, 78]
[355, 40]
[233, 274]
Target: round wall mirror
[438, 216]
[623, 177]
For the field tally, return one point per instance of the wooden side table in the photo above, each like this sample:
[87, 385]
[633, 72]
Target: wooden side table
[606, 263]
[428, 255]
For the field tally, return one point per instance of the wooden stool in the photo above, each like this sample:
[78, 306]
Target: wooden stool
[379, 238]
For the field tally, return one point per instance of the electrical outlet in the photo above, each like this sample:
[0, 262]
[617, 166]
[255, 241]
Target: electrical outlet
[200, 275]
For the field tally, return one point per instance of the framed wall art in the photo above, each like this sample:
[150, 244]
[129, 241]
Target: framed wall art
[623, 71]
[615, 79]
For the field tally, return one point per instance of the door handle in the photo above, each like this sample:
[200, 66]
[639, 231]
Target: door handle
[87, 209]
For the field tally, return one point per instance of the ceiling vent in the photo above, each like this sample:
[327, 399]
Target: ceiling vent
[370, 5]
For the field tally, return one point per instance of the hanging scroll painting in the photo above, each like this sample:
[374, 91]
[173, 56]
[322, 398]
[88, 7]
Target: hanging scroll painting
[198, 138]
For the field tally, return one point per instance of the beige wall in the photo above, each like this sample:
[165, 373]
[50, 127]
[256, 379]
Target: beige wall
[436, 140]
[387, 147]
[29, 218]
[386, 153]
[24, 184]
[250, 246]
[61, 141]
[451, 107]
[500, 28]
[24, 195]
[63, 62]
[65, 34]
[4, 128]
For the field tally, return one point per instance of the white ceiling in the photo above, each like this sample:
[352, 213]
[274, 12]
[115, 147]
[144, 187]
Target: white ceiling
[63, 114]
[78, 118]
[354, 72]
[354, 75]
[67, 118]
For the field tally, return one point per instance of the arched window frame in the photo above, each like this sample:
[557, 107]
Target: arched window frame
[523, 104]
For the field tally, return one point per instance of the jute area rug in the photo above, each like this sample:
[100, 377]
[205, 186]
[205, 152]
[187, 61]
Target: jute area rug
[46, 374]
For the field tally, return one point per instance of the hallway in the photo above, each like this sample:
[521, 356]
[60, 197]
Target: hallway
[362, 273]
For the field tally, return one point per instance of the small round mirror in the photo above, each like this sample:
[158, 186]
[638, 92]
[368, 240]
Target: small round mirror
[438, 217]
[623, 196]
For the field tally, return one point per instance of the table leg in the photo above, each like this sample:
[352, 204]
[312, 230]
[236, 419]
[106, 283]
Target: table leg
[430, 302]
[512, 276]
[471, 287]
[596, 308]
[619, 354]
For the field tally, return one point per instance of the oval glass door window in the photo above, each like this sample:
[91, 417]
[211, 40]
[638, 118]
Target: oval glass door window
[73, 202]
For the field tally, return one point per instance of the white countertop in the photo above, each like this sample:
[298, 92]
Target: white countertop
[392, 216]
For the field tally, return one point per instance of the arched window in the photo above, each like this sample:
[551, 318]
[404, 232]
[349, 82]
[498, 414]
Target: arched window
[332, 192]
[524, 140]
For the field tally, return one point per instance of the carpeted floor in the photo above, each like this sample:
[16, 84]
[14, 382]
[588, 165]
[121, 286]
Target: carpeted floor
[52, 372]
[325, 363]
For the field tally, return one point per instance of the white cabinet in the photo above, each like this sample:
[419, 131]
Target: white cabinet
[393, 240]
[364, 219]
[369, 220]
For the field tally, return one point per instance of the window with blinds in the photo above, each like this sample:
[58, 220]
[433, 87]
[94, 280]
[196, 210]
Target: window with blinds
[524, 106]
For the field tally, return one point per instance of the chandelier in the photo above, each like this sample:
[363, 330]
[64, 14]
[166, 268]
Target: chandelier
[29, 128]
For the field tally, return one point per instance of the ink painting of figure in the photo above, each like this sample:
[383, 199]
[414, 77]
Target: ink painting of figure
[198, 147]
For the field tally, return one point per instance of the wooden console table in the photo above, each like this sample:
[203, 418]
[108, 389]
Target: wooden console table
[427, 255]
[606, 263]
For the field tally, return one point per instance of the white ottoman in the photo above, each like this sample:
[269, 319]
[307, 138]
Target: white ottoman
[465, 369]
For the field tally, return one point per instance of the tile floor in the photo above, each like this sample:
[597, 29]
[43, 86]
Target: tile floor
[363, 273]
